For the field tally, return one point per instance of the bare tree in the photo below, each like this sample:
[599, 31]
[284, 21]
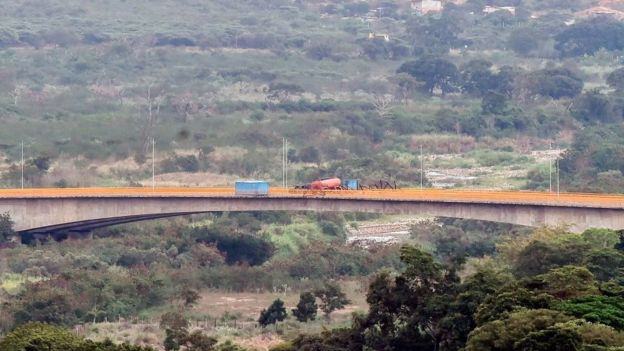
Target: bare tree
[405, 86]
[383, 104]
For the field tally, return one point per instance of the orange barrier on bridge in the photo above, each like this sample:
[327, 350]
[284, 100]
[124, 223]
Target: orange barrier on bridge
[428, 195]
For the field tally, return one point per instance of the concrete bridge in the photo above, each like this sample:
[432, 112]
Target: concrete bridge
[81, 210]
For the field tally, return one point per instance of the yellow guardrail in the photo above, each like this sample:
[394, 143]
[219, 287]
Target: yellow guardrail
[452, 195]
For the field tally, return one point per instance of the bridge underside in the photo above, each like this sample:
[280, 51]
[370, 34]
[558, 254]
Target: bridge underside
[85, 214]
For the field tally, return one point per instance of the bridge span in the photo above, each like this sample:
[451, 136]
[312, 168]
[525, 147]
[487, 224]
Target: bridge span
[84, 209]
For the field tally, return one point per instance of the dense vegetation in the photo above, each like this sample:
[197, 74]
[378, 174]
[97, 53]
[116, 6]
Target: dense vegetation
[219, 84]
[549, 291]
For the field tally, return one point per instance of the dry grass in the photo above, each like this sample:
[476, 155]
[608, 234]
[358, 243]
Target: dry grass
[227, 307]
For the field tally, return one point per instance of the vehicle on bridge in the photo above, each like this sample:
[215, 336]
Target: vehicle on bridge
[336, 183]
[251, 188]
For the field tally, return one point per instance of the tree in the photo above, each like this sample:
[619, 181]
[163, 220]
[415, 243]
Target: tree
[494, 103]
[509, 299]
[600, 238]
[275, 313]
[587, 37]
[306, 308]
[189, 296]
[332, 298]
[523, 40]
[40, 337]
[555, 83]
[567, 282]
[44, 337]
[597, 309]
[477, 77]
[310, 154]
[434, 72]
[6, 227]
[173, 321]
[539, 257]
[594, 107]
[615, 79]
[45, 304]
[504, 334]
[418, 298]
[606, 264]
[198, 341]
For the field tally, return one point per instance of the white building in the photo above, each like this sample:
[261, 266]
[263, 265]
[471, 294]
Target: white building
[491, 9]
[427, 6]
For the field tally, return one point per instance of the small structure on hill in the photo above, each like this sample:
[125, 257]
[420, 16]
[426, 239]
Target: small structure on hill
[378, 36]
[427, 6]
[491, 9]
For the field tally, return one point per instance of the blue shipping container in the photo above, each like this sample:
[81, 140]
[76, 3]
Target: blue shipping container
[351, 184]
[251, 187]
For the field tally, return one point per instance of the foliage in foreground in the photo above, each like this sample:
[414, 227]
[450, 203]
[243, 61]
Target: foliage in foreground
[568, 298]
[44, 337]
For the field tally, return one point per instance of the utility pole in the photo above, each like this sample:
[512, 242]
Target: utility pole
[422, 168]
[153, 163]
[284, 162]
[550, 168]
[22, 164]
[558, 178]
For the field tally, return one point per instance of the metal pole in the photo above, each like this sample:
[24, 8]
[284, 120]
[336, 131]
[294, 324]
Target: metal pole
[558, 189]
[550, 168]
[286, 163]
[153, 163]
[283, 168]
[22, 164]
[422, 168]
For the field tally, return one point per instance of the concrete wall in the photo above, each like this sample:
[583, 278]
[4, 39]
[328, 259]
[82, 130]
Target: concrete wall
[83, 214]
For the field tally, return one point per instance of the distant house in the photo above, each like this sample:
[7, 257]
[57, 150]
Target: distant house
[600, 11]
[379, 36]
[491, 9]
[427, 6]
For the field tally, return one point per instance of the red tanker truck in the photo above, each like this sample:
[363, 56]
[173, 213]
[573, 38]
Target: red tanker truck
[326, 184]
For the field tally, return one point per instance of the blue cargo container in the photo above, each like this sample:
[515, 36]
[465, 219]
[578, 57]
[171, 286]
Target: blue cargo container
[351, 184]
[251, 188]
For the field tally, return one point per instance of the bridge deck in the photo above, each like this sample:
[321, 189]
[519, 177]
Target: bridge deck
[424, 195]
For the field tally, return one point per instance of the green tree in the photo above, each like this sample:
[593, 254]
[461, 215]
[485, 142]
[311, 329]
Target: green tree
[332, 298]
[523, 40]
[477, 77]
[568, 282]
[600, 238]
[275, 313]
[229, 346]
[418, 299]
[198, 341]
[40, 337]
[434, 72]
[597, 309]
[587, 37]
[615, 79]
[306, 308]
[45, 304]
[505, 334]
[510, 299]
[189, 296]
[606, 264]
[594, 107]
[539, 257]
[6, 227]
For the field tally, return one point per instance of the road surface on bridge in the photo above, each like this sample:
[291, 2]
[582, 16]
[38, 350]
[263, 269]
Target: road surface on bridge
[606, 201]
